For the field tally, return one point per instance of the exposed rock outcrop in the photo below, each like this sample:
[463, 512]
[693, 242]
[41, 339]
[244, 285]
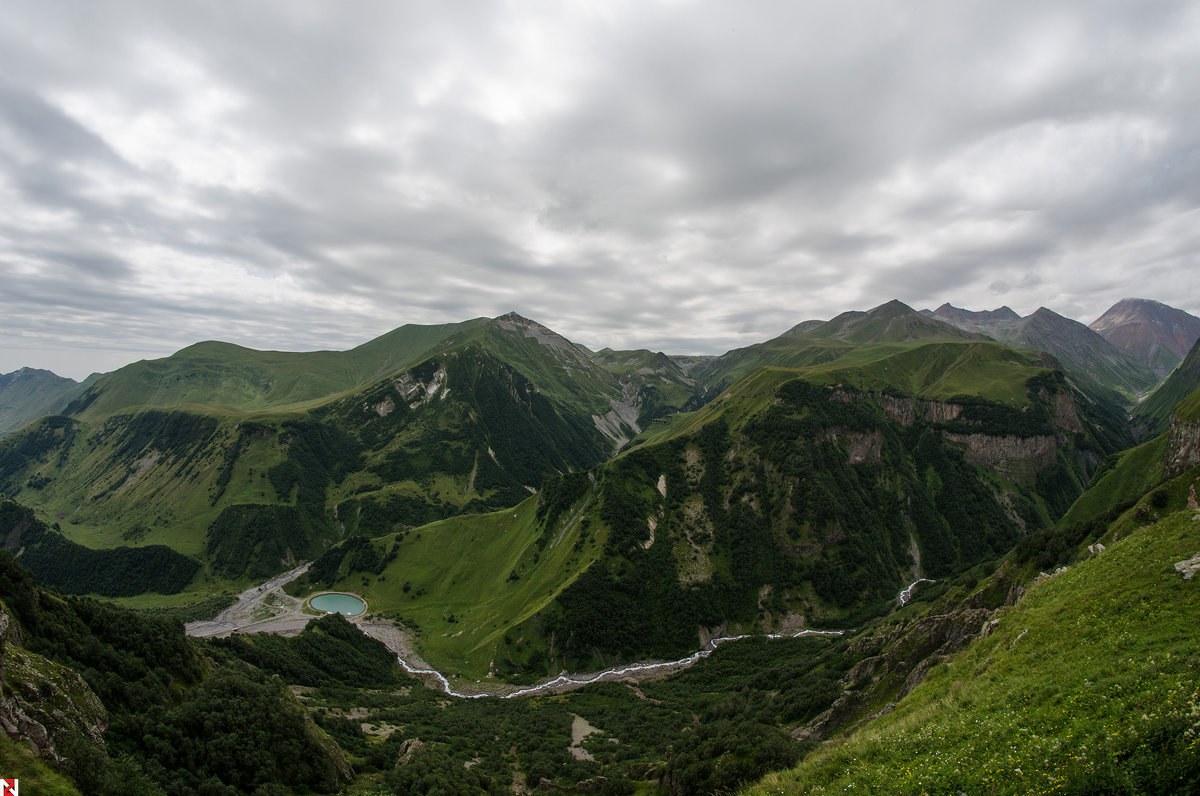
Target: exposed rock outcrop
[415, 392]
[1183, 445]
[1189, 567]
[905, 410]
[908, 651]
[860, 446]
[43, 704]
[844, 708]
[1017, 458]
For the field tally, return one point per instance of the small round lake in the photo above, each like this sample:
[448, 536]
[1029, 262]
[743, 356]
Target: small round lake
[344, 604]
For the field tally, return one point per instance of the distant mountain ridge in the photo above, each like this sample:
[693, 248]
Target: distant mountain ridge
[1084, 353]
[29, 393]
[979, 320]
[249, 459]
[1155, 334]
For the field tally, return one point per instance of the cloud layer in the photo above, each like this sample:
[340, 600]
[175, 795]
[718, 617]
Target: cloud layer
[684, 176]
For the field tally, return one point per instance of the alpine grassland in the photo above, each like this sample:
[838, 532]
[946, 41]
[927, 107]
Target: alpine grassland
[470, 585]
[1088, 684]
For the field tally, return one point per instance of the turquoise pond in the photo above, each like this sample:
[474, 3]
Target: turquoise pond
[344, 604]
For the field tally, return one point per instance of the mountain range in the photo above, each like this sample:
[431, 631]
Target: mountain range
[525, 505]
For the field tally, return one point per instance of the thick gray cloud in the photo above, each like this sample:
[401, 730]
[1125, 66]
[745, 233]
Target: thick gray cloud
[686, 176]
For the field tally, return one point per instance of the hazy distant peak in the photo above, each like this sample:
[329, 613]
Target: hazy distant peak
[973, 318]
[893, 320]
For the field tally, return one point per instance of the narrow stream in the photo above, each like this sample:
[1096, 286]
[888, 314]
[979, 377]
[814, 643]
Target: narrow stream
[617, 671]
[907, 591]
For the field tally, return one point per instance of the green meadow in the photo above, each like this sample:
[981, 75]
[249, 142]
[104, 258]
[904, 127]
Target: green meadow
[468, 585]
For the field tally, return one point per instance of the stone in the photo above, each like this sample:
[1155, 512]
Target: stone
[1189, 567]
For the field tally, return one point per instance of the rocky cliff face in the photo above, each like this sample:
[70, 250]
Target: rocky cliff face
[42, 704]
[1183, 445]
[1016, 458]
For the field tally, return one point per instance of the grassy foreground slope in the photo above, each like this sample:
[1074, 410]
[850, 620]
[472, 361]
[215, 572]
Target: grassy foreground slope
[1089, 684]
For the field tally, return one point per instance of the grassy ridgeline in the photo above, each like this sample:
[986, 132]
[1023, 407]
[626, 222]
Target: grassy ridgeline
[1088, 685]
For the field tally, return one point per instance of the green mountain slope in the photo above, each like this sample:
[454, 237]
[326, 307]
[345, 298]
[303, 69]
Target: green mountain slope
[662, 383]
[818, 342]
[231, 378]
[122, 704]
[820, 504]
[469, 583]
[1152, 415]
[248, 493]
[798, 496]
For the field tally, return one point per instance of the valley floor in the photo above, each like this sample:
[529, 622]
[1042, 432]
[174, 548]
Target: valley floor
[266, 608]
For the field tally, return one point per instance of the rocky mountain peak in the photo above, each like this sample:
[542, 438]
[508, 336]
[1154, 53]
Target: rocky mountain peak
[1155, 334]
[544, 335]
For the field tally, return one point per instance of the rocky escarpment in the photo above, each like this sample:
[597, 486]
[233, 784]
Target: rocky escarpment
[1019, 458]
[1183, 445]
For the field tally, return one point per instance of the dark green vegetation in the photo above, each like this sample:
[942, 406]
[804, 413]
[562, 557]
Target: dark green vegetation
[1088, 685]
[216, 717]
[789, 496]
[891, 446]
[187, 452]
[171, 725]
[75, 569]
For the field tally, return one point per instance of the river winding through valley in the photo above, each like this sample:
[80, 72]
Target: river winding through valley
[267, 609]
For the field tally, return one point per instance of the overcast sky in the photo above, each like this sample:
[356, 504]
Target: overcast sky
[681, 176]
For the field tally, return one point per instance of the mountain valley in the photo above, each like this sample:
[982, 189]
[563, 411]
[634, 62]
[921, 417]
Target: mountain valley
[521, 506]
